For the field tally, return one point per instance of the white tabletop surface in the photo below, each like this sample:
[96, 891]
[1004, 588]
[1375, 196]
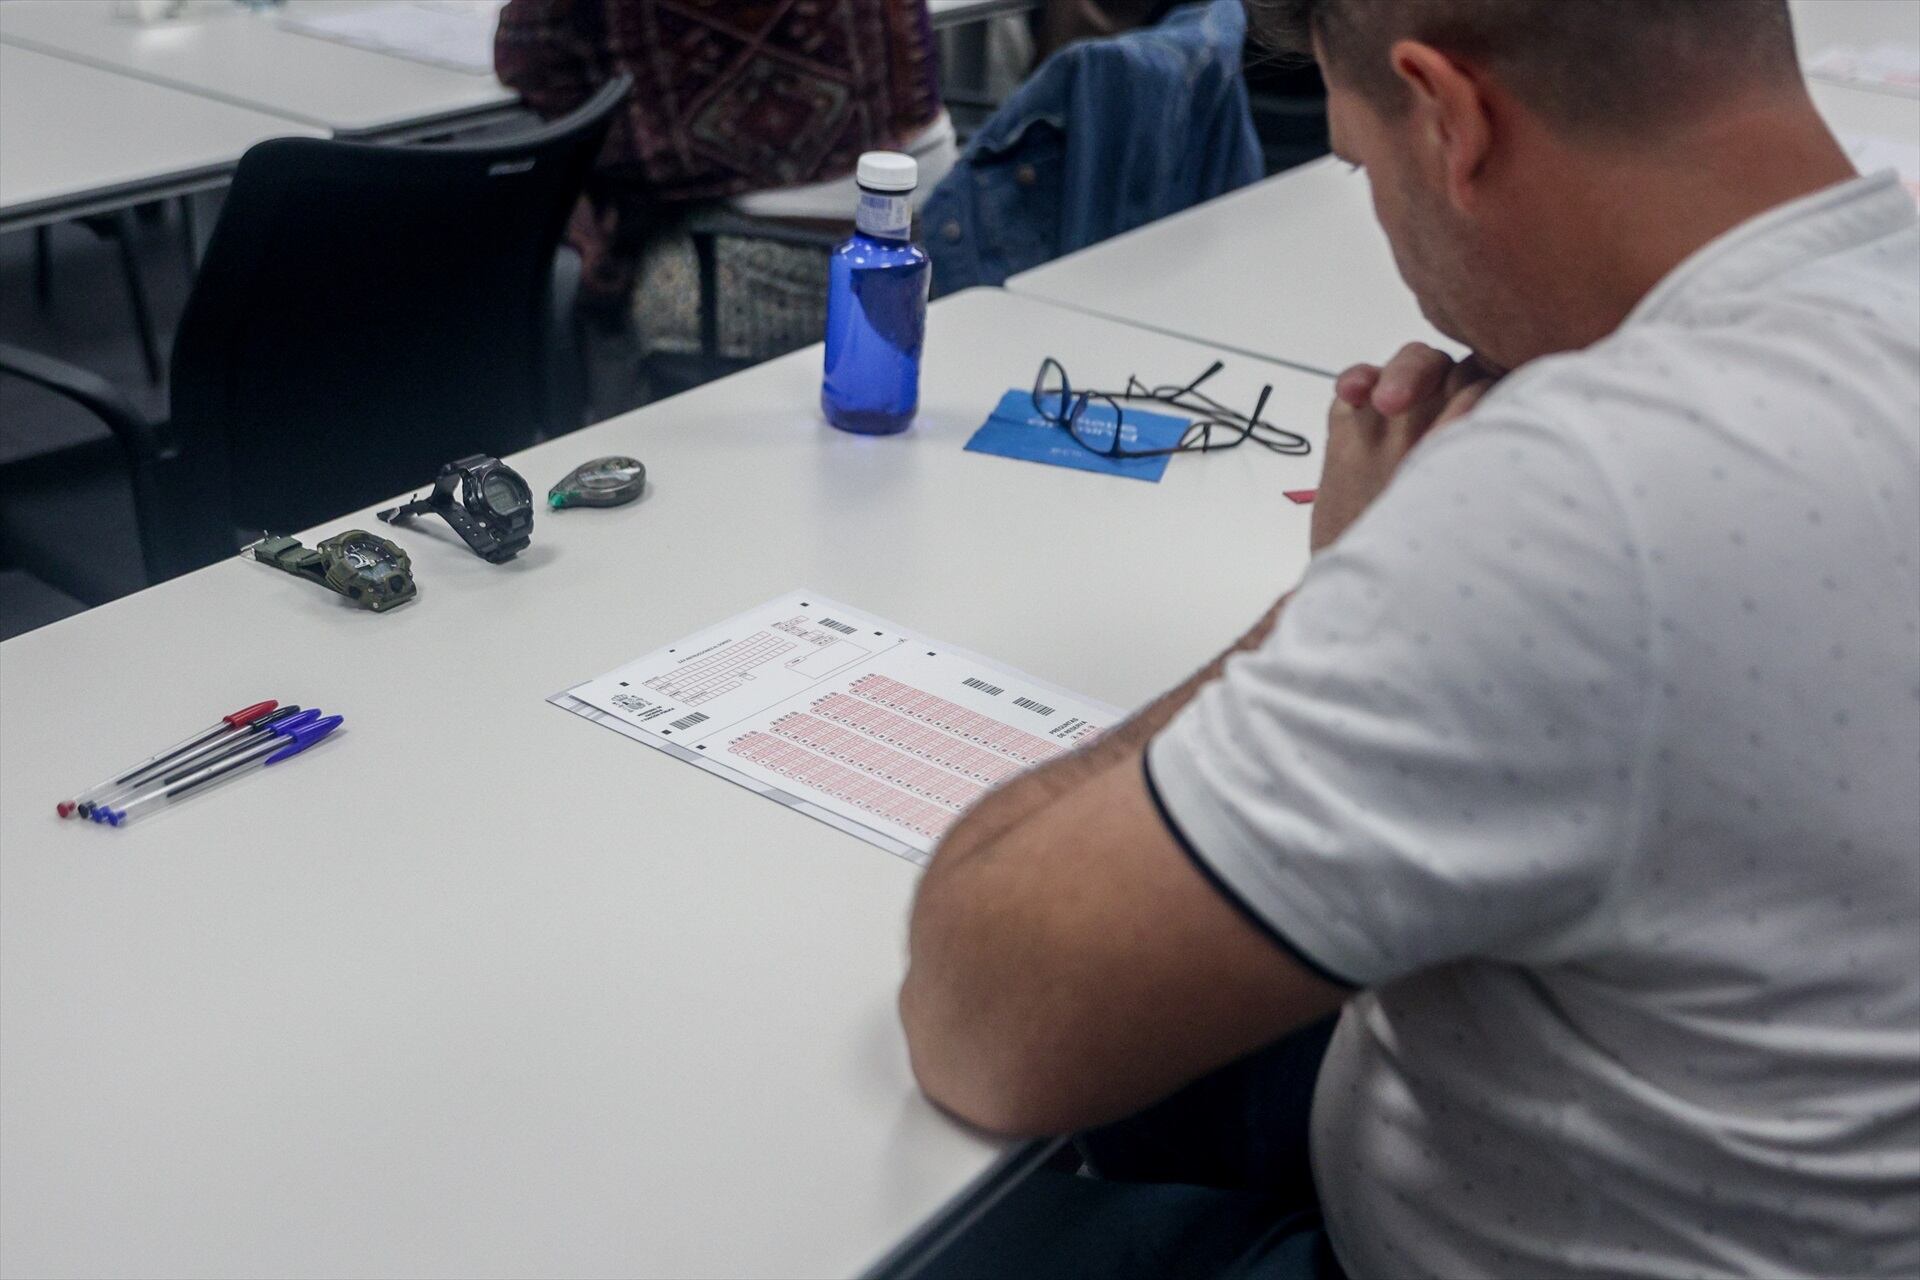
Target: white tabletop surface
[1294, 268]
[1865, 111]
[478, 987]
[70, 132]
[223, 51]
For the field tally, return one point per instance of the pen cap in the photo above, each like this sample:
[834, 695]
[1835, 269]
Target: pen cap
[247, 715]
[305, 736]
[299, 720]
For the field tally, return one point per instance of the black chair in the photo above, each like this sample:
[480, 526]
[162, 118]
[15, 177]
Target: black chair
[121, 227]
[363, 313]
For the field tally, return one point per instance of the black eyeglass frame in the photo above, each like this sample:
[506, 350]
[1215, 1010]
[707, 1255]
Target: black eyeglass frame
[1210, 416]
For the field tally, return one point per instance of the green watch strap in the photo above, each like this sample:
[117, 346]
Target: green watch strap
[288, 555]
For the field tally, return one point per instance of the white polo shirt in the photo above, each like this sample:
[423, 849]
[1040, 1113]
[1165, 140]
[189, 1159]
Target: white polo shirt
[1592, 753]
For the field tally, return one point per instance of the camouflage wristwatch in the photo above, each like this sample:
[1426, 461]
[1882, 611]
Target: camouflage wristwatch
[364, 567]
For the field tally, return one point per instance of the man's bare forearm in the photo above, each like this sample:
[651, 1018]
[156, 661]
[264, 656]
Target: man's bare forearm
[1005, 806]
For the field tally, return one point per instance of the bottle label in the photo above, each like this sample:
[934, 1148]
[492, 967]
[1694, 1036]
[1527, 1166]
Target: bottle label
[889, 214]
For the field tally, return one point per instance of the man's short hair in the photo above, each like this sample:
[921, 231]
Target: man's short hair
[1590, 66]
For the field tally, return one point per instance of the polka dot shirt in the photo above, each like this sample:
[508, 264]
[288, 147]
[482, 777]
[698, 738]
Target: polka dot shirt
[1591, 755]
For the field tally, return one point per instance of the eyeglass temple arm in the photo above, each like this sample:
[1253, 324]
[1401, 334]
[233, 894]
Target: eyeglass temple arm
[1259, 406]
[1194, 386]
[1137, 389]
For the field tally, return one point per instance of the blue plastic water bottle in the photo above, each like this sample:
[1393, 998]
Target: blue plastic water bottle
[877, 305]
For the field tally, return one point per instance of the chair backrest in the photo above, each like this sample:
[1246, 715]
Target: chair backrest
[364, 313]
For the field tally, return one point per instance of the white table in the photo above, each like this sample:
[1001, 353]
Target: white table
[479, 987]
[1294, 269]
[1856, 111]
[80, 140]
[222, 51]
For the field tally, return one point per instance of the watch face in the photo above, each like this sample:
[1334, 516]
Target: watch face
[366, 555]
[502, 494]
[367, 569]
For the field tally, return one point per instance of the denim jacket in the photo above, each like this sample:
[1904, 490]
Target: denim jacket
[1105, 136]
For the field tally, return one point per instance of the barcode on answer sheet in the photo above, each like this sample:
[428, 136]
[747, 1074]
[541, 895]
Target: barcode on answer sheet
[687, 722]
[1039, 708]
[991, 690]
[841, 627]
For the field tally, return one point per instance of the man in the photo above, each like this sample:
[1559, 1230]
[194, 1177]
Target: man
[1582, 768]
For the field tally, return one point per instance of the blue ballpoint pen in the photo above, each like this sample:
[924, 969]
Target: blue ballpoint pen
[284, 744]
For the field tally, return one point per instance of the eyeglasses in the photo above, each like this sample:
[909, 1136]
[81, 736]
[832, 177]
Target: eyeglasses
[1214, 426]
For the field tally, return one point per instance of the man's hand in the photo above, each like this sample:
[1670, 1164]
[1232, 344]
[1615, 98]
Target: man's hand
[1378, 415]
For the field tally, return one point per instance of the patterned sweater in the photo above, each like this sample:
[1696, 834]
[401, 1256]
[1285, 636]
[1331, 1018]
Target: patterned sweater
[729, 97]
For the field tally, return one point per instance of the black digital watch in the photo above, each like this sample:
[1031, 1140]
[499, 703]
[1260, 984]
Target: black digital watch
[485, 501]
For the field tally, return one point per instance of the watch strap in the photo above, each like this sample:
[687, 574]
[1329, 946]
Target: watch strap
[407, 510]
[289, 556]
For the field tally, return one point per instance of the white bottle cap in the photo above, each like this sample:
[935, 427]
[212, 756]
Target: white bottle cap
[888, 171]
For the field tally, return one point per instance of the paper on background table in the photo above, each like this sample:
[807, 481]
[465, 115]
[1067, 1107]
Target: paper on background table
[446, 33]
[1894, 68]
[1871, 153]
[859, 723]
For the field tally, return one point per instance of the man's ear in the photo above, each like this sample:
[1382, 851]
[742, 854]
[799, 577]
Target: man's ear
[1452, 122]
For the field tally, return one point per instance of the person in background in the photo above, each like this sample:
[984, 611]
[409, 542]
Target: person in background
[748, 96]
[1580, 772]
[1288, 98]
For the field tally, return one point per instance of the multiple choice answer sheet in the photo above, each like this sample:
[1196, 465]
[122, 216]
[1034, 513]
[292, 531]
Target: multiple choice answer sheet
[882, 733]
